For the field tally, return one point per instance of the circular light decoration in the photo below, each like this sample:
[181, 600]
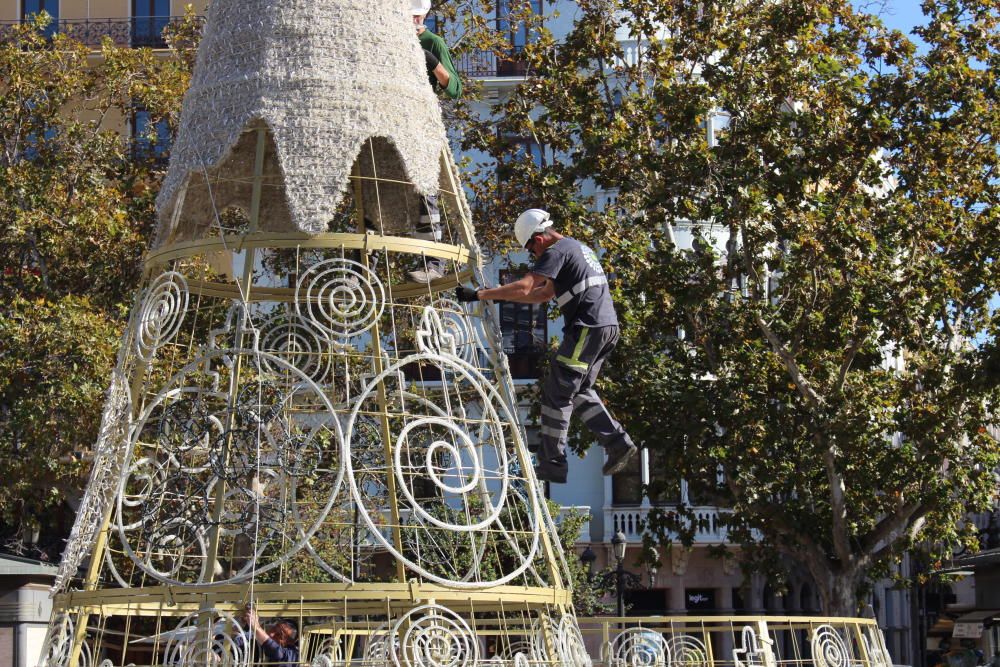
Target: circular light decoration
[687, 651]
[161, 314]
[640, 647]
[208, 465]
[456, 322]
[340, 297]
[828, 648]
[58, 641]
[209, 637]
[571, 646]
[465, 460]
[290, 337]
[434, 636]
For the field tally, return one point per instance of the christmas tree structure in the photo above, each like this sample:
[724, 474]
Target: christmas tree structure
[293, 422]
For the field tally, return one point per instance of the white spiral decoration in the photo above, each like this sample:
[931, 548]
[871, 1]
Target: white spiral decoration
[434, 636]
[58, 641]
[470, 472]
[543, 630]
[828, 648]
[340, 297]
[460, 326]
[640, 647]
[381, 646]
[328, 653]
[688, 651]
[572, 648]
[292, 339]
[189, 438]
[751, 653]
[161, 314]
[210, 637]
[878, 654]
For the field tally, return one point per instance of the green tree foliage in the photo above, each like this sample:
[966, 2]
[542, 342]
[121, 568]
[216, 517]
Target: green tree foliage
[76, 207]
[828, 340]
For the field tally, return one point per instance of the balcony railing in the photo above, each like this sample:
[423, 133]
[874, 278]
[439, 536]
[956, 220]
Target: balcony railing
[135, 31]
[478, 64]
[708, 523]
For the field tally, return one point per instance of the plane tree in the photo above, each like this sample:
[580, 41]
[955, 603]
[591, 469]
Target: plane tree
[820, 354]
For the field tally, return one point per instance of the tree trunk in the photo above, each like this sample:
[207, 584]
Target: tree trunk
[838, 594]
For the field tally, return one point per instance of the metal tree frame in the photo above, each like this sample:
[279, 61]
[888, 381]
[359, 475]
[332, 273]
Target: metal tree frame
[294, 404]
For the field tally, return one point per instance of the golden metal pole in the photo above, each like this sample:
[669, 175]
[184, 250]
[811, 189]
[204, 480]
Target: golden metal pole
[383, 403]
[247, 279]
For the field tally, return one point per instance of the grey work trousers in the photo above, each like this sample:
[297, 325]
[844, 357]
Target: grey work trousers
[430, 228]
[569, 386]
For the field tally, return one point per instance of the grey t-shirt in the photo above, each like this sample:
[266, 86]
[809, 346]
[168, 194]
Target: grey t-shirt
[581, 286]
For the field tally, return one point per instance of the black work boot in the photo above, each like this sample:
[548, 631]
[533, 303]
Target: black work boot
[618, 457]
[552, 471]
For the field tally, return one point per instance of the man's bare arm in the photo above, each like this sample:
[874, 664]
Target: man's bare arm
[532, 288]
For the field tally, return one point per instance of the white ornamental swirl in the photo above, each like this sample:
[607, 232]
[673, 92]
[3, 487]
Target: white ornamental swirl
[328, 653]
[173, 550]
[753, 650]
[380, 646]
[291, 338]
[434, 636]
[828, 648]
[58, 641]
[340, 297]
[469, 471]
[209, 637]
[460, 325]
[161, 314]
[572, 648]
[687, 651]
[878, 655]
[640, 647]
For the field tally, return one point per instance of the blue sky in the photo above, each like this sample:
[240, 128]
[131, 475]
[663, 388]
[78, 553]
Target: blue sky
[901, 15]
[898, 14]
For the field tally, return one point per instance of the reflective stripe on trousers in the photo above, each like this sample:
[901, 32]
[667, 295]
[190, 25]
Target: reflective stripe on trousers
[569, 386]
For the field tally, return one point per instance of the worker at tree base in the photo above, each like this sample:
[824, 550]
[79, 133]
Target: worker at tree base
[278, 642]
[443, 76]
[571, 273]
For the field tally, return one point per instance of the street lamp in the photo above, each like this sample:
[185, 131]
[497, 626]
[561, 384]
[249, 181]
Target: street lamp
[623, 578]
[587, 558]
[619, 577]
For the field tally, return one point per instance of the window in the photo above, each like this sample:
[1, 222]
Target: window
[525, 329]
[664, 481]
[31, 7]
[517, 33]
[150, 141]
[149, 18]
[717, 126]
[626, 486]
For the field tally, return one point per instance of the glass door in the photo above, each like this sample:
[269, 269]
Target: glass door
[149, 18]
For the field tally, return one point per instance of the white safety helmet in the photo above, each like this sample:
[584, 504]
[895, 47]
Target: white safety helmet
[420, 7]
[530, 222]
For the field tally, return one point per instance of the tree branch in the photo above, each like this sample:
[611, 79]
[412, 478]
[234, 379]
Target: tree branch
[841, 543]
[803, 385]
[889, 526]
[845, 367]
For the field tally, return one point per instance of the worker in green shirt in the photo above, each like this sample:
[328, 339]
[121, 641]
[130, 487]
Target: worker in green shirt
[440, 69]
[442, 75]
